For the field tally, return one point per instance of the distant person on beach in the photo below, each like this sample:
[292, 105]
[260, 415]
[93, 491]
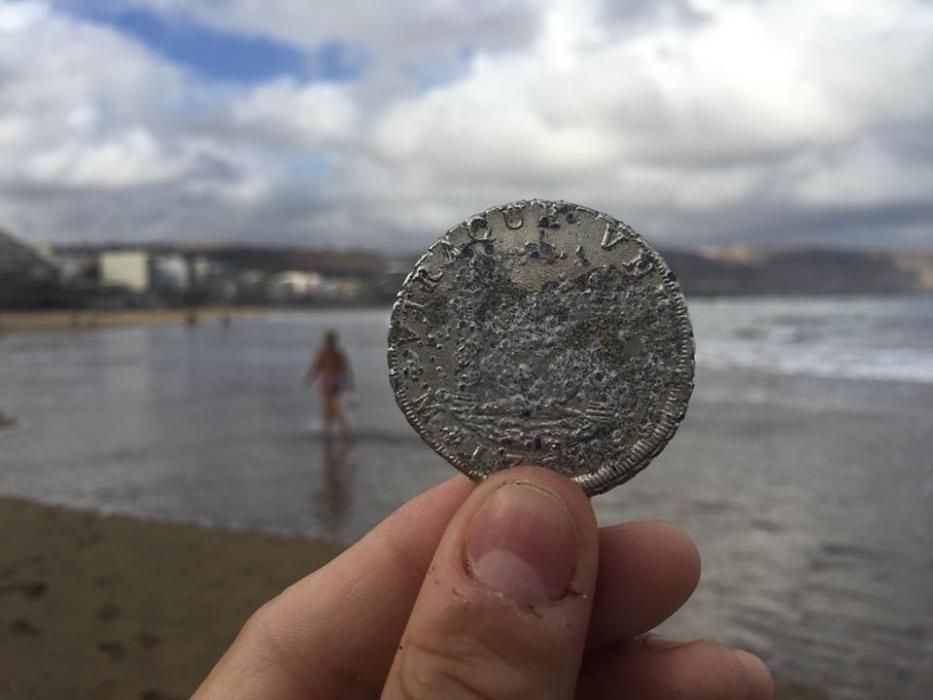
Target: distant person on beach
[490, 591]
[331, 369]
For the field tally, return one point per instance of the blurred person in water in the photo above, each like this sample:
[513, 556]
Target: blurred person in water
[331, 369]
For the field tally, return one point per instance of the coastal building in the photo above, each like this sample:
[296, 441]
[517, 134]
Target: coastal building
[78, 269]
[351, 290]
[171, 276]
[126, 270]
[210, 279]
[295, 286]
[27, 277]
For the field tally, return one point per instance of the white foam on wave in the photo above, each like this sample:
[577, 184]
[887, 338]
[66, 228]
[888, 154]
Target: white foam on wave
[888, 338]
[818, 359]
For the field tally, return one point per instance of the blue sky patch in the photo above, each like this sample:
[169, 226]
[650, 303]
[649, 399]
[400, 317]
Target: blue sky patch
[229, 56]
[429, 76]
[337, 61]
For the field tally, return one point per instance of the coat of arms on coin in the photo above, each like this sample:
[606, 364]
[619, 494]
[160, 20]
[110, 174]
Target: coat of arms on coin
[543, 333]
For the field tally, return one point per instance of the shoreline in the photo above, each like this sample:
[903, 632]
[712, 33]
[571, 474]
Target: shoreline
[16, 322]
[112, 607]
[83, 320]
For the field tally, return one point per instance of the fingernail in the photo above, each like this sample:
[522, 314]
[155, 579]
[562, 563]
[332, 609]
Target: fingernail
[523, 544]
[657, 642]
[761, 684]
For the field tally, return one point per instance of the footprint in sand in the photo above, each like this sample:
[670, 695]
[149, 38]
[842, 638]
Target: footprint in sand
[149, 641]
[31, 590]
[114, 650]
[35, 589]
[24, 628]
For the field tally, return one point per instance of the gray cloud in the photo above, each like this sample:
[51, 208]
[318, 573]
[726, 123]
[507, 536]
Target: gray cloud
[401, 32]
[634, 15]
[711, 121]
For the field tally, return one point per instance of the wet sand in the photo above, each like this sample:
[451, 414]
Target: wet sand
[97, 607]
[45, 321]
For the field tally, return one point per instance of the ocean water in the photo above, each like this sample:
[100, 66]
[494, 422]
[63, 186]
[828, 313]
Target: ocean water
[804, 469]
[858, 338]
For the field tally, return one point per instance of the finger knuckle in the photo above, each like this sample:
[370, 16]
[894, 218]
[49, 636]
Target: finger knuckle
[456, 667]
[260, 632]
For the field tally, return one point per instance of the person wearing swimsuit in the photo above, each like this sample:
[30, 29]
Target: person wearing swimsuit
[331, 370]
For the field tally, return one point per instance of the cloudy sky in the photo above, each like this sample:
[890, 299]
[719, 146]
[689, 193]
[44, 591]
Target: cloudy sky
[381, 124]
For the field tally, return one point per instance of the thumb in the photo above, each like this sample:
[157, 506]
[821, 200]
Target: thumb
[504, 609]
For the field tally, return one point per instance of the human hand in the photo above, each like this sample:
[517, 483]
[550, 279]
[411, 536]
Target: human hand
[489, 592]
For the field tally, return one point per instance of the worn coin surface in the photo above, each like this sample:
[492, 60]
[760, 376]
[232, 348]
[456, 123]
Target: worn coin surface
[543, 333]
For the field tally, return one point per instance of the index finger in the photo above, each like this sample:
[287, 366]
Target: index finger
[334, 632]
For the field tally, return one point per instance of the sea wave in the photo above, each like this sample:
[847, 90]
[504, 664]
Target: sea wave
[877, 338]
[820, 360]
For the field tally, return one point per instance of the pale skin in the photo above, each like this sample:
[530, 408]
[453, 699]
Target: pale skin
[331, 369]
[442, 600]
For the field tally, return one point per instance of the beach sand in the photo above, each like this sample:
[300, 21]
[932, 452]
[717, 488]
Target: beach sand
[97, 607]
[43, 321]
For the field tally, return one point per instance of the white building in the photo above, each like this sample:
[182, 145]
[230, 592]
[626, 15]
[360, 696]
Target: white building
[129, 270]
[170, 274]
[293, 286]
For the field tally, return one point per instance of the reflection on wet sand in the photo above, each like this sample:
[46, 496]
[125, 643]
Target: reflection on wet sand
[332, 498]
[6, 421]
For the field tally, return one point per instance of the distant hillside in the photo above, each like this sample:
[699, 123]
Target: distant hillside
[26, 277]
[734, 271]
[262, 258]
[272, 259]
[19, 261]
[743, 270]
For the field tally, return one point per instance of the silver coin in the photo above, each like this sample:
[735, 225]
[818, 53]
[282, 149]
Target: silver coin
[543, 333]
